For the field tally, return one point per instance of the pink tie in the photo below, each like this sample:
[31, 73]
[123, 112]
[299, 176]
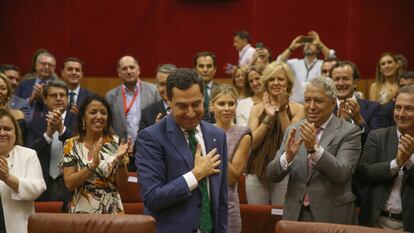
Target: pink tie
[306, 198]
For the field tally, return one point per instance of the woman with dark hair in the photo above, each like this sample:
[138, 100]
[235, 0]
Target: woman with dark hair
[20, 174]
[94, 163]
[385, 86]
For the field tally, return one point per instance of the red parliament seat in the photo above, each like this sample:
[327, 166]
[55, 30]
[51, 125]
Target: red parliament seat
[131, 196]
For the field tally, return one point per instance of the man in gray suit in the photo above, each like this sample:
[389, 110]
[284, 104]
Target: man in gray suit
[387, 169]
[128, 99]
[319, 154]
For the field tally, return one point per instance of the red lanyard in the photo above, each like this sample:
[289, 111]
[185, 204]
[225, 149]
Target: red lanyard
[128, 108]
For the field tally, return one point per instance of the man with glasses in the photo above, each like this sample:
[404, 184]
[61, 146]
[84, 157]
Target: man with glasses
[32, 89]
[47, 134]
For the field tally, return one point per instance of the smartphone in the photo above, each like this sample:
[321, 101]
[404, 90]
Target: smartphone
[306, 39]
[259, 45]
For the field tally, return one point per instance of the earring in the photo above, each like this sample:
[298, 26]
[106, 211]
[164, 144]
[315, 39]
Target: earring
[83, 125]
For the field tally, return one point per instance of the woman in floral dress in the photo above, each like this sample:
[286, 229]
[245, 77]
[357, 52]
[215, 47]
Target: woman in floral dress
[94, 163]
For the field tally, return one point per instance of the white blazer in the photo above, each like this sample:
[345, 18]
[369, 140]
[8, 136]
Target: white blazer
[17, 206]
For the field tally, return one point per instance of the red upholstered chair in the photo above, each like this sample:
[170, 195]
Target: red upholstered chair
[284, 226]
[131, 197]
[48, 206]
[90, 223]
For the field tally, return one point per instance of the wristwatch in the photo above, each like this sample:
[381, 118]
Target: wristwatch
[314, 149]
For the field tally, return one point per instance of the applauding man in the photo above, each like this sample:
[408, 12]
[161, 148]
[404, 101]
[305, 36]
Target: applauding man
[319, 154]
[386, 168]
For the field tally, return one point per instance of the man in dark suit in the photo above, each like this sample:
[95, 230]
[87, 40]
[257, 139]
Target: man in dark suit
[319, 160]
[367, 115]
[47, 134]
[72, 74]
[404, 79]
[204, 63]
[386, 168]
[158, 110]
[12, 72]
[182, 163]
[32, 89]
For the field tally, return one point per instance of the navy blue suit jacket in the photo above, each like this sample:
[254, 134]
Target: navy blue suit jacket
[389, 113]
[37, 141]
[149, 114]
[162, 158]
[83, 93]
[25, 88]
[372, 113]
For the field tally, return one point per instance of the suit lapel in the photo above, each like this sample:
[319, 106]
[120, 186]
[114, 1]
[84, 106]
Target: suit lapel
[327, 136]
[120, 106]
[176, 136]
[210, 142]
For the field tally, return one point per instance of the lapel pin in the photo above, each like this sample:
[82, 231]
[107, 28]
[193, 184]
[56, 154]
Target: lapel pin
[214, 139]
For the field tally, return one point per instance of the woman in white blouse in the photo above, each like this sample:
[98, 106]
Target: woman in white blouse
[21, 179]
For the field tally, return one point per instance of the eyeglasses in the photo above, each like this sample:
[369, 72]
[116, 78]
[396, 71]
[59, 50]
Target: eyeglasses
[47, 64]
[57, 95]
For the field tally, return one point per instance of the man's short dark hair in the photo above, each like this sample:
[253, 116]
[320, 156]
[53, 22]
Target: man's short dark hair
[6, 67]
[244, 35]
[405, 75]
[204, 54]
[54, 83]
[355, 72]
[73, 59]
[183, 79]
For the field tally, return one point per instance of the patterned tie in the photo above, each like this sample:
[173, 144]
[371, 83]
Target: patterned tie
[56, 152]
[306, 198]
[71, 99]
[205, 218]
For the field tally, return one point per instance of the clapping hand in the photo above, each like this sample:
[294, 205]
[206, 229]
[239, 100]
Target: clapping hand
[405, 149]
[292, 145]
[123, 149]
[4, 169]
[95, 152]
[308, 135]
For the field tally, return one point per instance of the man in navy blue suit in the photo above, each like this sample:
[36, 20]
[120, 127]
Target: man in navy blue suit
[182, 163]
[13, 74]
[72, 74]
[32, 89]
[47, 134]
[158, 110]
[366, 114]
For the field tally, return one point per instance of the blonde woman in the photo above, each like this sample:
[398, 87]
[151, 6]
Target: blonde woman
[254, 92]
[238, 79]
[268, 122]
[385, 86]
[223, 105]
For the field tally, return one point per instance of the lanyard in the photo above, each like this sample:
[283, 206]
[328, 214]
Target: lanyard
[310, 68]
[128, 108]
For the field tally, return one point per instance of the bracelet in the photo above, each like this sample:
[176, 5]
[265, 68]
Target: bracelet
[267, 121]
[290, 49]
